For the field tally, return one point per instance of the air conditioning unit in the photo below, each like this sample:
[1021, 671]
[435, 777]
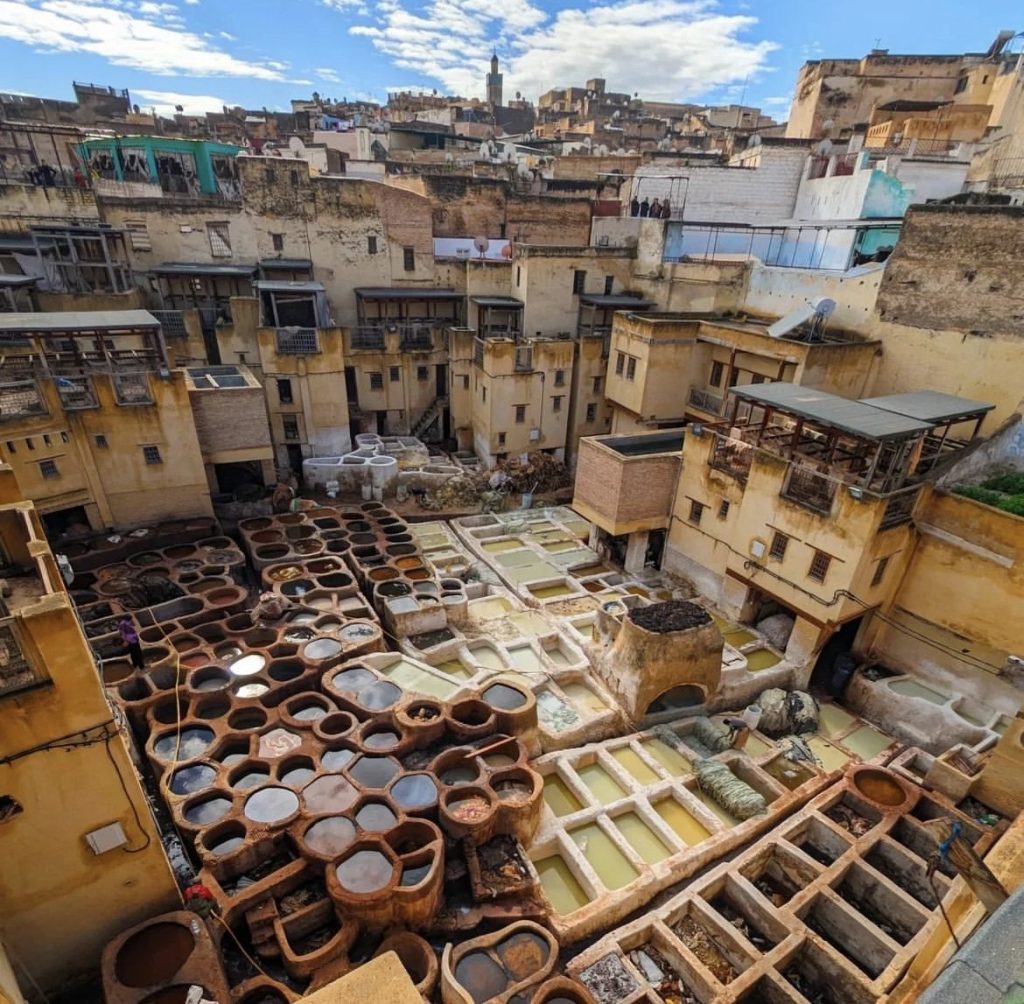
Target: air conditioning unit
[462, 252]
[534, 435]
[757, 548]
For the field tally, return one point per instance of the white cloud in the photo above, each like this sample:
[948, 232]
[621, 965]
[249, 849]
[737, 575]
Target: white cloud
[664, 49]
[326, 73]
[165, 102]
[359, 6]
[227, 36]
[152, 38]
[781, 102]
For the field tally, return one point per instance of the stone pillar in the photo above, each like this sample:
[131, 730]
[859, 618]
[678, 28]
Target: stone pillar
[595, 537]
[636, 551]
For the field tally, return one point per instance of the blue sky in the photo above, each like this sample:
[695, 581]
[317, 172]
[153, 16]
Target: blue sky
[261, 53]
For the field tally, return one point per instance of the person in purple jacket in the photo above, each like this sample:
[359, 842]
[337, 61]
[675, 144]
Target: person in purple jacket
[130, 637]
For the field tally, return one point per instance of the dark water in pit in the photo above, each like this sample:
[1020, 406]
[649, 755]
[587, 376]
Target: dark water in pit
[523, 954]
[379, 696]
[211, 682]
[336, 759]
[298, 777]
[322, 648]
[330, 836]
[194, 740]
[480, 976]
[373, 772]
[153, 955]
[195, 778]
[376, 817]
[459, 774]
[414, 791]
[269, 805]
[365, 871]
[415, 874]
[299, 634]
[501, 696]
[207, 812]
[352, 680]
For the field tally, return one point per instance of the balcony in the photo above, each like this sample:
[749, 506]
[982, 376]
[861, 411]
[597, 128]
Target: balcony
[76, 393]
[808, 488]
[368, 339]
[20, 399]
[297, 342]
[132, 389]
[15, 671]
[417, 339]
[899, 508]
[706, 401]
[731, 456]
[172, 323]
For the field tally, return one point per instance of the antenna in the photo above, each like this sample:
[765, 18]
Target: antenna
[481, 244]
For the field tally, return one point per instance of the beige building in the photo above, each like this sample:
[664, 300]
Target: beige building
[96, 425]
[82, 854]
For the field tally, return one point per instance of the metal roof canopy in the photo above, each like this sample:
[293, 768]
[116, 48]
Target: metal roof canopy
[406, 293]
[14, 281]
[612, 300]
[501, 302]
[286, 264]
[853, 417]
[68, 322]
[284, 286]
[202, 268]
[930, 406]
[75, 229]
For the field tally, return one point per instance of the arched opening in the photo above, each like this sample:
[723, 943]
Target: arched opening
[690, 695]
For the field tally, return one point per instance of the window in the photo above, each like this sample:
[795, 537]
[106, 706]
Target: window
[559, 378]
[422, 373]
[778, 548]
[483, 393]
[715, 379]
[371, 244]
[961, 85]
[290, 426]
[278, 241]
[520, 414]
[591, 412]
[48, 469]
[819, 566]
[723, 509]
[10, 447]
[597, 384]
[65, 438]
[880, 568]
[501, 438]
[631, 368]
[101, 441]
[556, 402]
[620, 363]
[284, 391]
[696, 511]
[138, 235]
[151, 454]
[465, 382]
[519, 274]
[293, 177]
[409, 259]
[46, 439]
[609, 284]
[219, 235]
[376, 381]
[757, 378]
[395, 374]
[30, 443]
[579, 281]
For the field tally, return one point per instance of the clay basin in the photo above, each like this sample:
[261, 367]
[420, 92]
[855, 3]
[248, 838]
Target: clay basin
[154, 954]
[880, 787]
[500, 966]
[417, 958]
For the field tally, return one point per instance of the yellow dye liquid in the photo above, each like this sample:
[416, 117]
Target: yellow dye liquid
[456, 668]
[550, 592]
[564, 893]
[583, 697]
[602, 785]
[690, 830]
[674, 762]
[832, 719]
[409, 676]
[610, 864]
[631, 761]
[641, 838]
[727, 818]
[559, 798]
[761, 658]
[756, 747]
[830, 757]
[866, 742]
[497, 546]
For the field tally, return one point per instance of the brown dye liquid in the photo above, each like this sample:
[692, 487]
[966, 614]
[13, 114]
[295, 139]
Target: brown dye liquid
[153, 955]
[523, 954]
[480, 976]
[879, 787]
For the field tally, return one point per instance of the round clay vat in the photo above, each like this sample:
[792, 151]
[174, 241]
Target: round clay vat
[170, 710]
[266, 537]
[469, 811]
[562, 990]
[414, 793]
[282, 573]
[154, 955]
[329, 836]
[145, 560]
[179, 551]
[502, 965]
[223, 838]
[291, 519]
[115, 672]
[211, 707]
[303, 710]
[225, 595]
[335, 580]
[259, 637]
[417, 958]
[301, 532]
[373, 772]
[366, 873]
[205, 808]
[297, 587]
[400, 550]
[250, 774]
[334, 725]
[263, 993]
[388, 588]
[283, 670]
[256, 523]
[247, 719]
[416, 574]
[322, 565]
[272, 552]
[296, 771]
[470, 719]
[358, 526]
[272, 806]
[338, 546]
[880, 787]
[308, 547]
[456, 767]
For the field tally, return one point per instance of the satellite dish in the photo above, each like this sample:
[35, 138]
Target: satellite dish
[824, 148]
[481, 244]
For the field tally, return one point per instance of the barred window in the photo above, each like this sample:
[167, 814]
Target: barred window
[696, 511]
[376, 381]
[49, 469]
[151, 454]
[723, 509]
[819, 566]
[880, 568]
[778, 548]
[290, 425]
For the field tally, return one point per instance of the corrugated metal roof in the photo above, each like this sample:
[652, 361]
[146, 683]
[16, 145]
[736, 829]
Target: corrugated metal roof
[286, 264]
[854, 417]
[406, 293]
[930, 406]
[203, 268]
[18, 280]
[65, 321]
[505, 302]
[282, 286]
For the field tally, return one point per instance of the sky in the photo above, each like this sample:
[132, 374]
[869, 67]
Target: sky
[203, 54]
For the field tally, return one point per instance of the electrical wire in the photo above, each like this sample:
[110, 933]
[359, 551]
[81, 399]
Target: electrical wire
[252, 962]
[131, 802]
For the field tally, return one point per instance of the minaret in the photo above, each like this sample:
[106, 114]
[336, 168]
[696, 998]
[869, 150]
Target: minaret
[494, 83]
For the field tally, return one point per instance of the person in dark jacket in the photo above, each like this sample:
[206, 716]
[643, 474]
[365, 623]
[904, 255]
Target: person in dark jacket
[130, 637]
[634, 207]
[645, 208]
